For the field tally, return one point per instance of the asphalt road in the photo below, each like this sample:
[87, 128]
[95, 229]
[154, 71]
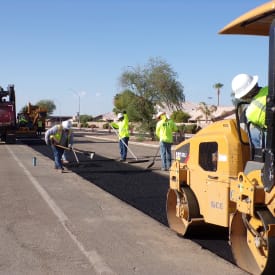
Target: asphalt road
[100, 217]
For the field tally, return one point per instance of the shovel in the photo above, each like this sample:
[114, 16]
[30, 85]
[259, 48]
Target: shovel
[153, 161]
[86, 153]
[76, 158]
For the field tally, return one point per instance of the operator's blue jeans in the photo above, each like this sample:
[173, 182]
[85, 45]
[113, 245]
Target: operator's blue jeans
[123, 148]
[166, 155]
[57, 154]
[258, 137]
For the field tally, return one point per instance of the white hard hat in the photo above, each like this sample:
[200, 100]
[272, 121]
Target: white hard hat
[160, 114]
[119, 116]
[67, 124]
[242, 84]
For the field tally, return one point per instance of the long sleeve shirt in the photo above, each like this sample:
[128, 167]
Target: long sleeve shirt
[60, 135]
[165, 129]
[256, 111]
[122, 126]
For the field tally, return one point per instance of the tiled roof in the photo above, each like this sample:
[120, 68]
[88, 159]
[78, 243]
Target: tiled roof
[193, 110]
[109, 116]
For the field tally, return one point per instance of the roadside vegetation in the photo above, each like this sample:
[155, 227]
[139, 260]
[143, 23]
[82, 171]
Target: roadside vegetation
[145, 90]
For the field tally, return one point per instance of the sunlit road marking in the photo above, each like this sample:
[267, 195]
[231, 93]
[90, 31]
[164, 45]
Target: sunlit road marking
[94, 258]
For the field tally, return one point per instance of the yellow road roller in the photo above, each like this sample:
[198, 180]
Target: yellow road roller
[220, 177]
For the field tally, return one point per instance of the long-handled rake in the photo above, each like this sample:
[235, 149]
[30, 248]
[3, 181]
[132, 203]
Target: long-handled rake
[136, 159]
[86, 153]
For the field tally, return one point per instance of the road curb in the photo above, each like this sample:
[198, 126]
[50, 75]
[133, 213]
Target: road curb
[130, 142]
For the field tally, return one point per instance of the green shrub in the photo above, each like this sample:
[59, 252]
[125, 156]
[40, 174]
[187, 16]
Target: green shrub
[140, 138]
[190, 129]
[181, 128]
[180, 116]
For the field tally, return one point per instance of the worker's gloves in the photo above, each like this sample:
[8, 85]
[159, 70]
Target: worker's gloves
[52, 141]
[70, 146]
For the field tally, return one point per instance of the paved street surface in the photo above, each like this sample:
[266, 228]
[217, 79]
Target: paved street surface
[53, 223]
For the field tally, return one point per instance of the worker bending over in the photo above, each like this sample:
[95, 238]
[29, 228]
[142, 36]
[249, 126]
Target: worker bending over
[59, 135]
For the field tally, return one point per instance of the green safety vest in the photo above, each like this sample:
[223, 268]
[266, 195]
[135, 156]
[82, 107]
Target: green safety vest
[23, 120]
[256, 110]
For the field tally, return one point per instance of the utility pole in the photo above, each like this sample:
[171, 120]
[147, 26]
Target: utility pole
[79, 110]
[78, 94]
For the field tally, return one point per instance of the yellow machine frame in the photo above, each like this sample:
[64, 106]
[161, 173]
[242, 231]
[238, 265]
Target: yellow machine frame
[216, 180]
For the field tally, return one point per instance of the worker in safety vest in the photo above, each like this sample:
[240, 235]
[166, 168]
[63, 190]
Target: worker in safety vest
[22, 121]
[164, 131]
[39, 127]
[59, 135]
[123, 134]
[246, 87]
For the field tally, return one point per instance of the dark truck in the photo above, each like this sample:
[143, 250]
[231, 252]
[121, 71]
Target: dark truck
[7, 115]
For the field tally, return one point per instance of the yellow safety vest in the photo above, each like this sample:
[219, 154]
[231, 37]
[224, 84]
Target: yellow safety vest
[57, 136]
[122, 126]
[165, 129]
[256, 110]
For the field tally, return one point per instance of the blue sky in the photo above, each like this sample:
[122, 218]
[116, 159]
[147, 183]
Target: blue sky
[75, 50]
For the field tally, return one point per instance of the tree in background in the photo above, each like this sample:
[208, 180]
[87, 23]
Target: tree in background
[48, 104]
[151, 85]
[84, 119]
[44, 103]
[180, 116]
[207, 110]
[156, 82]
[218, 87]
[123, 101]
[24, 109]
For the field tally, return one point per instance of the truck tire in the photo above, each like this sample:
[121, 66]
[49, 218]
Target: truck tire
[10, 139]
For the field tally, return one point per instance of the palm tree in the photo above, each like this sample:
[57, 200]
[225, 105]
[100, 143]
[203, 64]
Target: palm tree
[218, 87]
[206, 110]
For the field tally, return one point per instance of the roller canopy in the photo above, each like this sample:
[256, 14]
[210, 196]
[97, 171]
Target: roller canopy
[254, 22]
